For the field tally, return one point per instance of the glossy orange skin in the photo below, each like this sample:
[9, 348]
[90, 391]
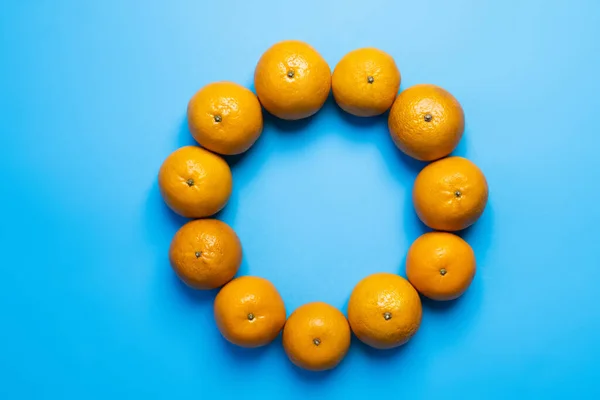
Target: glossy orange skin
[450, 194]
[225, 118]
[194, 182]
[370, 302]
[316, 337]
[300, 95]
[416, 134]
[205, 253]
[440, 265]
[365, 82]
[249, 311]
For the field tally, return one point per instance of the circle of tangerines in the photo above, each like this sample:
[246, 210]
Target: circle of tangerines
[292, 82]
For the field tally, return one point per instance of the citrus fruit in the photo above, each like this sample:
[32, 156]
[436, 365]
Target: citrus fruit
[316, 336]
[292, 80]
[450, 194]
[205, 253]
[194, 182]
[249, 311]
[440, 265]
[365, 82]
[426, 122]
[384, 310]
[225, 117]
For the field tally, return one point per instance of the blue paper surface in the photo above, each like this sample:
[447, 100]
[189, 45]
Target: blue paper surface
[93, 96]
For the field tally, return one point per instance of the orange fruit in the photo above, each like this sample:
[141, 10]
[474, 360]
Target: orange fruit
[384, 310]
[450, 194]
[426, 122]
[440, 265]
[225, 117]
[249, 311]
[316, 336]
[205, 253]
[194, 182]
[365, 82]
[292, 80]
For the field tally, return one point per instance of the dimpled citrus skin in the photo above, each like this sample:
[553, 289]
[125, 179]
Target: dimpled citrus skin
[440, 265]
[365, 82]
[297, 96]
[450, 194]
[316, 336]
[426, 122]
[225, 117]
[194, 182]
[249, 311]
[384, 310]
[205, 253]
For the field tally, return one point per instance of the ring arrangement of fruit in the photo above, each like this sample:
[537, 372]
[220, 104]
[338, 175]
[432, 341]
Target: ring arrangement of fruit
[293, 81]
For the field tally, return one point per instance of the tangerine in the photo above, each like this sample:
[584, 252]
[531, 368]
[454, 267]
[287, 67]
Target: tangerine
[365, 82]
[316, 336]
[292, 80]
[426, 122]
[225, 117]
[194, 182]
[205, 253]
[384, 310]
[249, 311]
[450, 194]
[440, 265]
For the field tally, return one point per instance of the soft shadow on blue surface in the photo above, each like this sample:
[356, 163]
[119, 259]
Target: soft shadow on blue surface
[481, 234]
[184, 136]
[441, 306]
[160, 221]
[235, 159]
[286, 126]
[309, 377]
[395, 353]
[191, 294]
[462, 149]
[412, 164]
[244, 355]
[413, 226]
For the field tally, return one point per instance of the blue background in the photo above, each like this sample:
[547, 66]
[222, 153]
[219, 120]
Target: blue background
[93, 98]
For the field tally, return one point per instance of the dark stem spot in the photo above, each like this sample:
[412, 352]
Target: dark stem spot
[443, 271]
[428, 117]
[387, 316]
[317, 341]
[190, 182]
[370, 79]
[198, 254]
[250, 317]
[218, 118]
[290, 74]
[457, 194]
